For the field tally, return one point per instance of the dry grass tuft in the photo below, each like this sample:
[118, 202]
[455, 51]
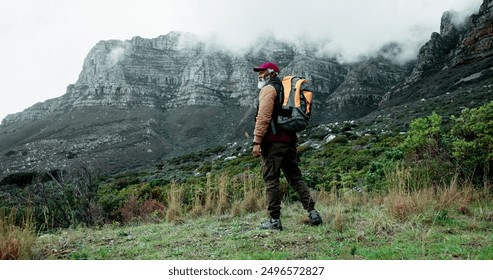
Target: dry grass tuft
[339, 222]
[404, 205]
[253, 196]
[379, 222]
[325, 197]
[237, 209]
[222, 196]
[174, 212]
[455, 197]
[16, 241]
[252, 202]
[198, 209]
[210, 199]
[409, 198]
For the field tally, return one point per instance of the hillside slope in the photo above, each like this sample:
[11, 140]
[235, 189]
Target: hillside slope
[141, 101]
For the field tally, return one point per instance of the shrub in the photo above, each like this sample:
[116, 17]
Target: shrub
[57, 198]
[473, 143]
[149, 210]
[427, 149]
[423, 140]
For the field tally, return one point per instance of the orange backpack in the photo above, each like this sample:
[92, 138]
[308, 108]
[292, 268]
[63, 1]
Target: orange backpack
[296, 104]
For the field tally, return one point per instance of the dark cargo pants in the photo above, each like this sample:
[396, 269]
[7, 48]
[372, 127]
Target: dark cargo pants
[277, 156]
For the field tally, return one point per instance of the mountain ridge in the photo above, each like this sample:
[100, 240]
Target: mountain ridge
[140, 101]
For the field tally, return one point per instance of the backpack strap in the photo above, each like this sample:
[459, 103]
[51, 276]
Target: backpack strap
[286, 84]
[297, 95]
[279, 87]
[294, 90]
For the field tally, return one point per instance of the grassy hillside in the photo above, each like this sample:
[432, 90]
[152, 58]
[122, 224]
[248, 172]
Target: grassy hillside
[425, 194]
[454, 224]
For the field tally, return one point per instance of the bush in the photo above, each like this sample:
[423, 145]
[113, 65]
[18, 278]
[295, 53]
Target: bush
[427, 149]
[149, 210]
[473, 143]
[66, 198]
[423, 140]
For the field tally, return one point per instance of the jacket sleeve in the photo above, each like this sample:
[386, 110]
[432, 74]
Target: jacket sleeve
[267, 97]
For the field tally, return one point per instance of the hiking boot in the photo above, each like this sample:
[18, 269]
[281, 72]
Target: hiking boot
[315, 218]
[274, 224]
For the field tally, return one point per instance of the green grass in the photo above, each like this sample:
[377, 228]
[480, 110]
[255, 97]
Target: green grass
[354, 228]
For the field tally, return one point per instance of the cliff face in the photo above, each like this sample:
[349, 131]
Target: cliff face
[476, 42]
[139, 101]
[458, 57]
[179, 70]
[435, 52]
[364, 86]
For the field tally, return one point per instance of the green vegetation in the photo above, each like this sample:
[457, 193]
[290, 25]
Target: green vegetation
[358, 226]
[425, 194]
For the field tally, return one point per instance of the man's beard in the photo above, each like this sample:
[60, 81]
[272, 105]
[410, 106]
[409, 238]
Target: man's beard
[262, 82]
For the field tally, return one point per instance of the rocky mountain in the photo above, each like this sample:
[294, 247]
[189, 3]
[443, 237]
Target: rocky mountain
[453, 71]
[141, 101]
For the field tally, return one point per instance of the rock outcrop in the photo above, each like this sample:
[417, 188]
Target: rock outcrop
[476, 42]
[449, 58]
[432, 55]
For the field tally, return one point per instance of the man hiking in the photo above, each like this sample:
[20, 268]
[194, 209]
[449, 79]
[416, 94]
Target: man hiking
[277, 149]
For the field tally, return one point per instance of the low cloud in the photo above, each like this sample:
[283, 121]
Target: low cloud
[348, 29]
[116, 55]
[460, 17]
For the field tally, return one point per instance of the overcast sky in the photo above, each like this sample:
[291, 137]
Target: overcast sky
[44, 43]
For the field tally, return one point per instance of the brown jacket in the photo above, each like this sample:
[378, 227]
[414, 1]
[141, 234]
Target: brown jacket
[266, 108]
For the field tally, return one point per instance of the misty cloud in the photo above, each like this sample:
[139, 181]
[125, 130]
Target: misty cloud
[348, 29]
[116, 55]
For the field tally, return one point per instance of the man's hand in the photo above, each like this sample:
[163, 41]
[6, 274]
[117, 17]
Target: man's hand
[256, 150]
